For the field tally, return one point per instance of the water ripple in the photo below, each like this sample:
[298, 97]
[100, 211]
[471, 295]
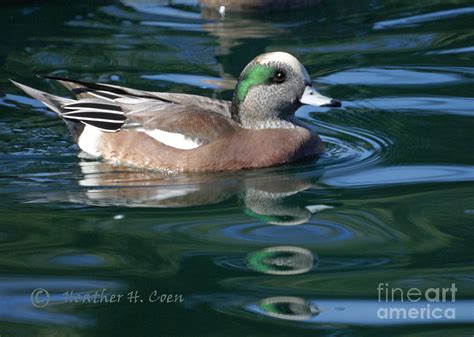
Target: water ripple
[440, 105]
[256, 233]
[407, 174]
[392, 76]
[411, 21]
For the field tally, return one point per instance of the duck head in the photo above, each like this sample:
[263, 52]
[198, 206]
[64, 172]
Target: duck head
[271, 88]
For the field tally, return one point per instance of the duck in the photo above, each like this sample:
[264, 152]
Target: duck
[178, 132]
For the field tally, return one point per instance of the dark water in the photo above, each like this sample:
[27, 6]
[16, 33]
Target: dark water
[297, 250]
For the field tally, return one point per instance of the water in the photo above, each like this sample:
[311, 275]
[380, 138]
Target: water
[300, 249]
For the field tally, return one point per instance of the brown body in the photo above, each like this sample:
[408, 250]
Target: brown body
[239, 149]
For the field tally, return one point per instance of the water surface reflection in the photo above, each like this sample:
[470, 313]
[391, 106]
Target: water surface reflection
[271, 252]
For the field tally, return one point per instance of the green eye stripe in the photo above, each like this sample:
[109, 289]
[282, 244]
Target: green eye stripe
[256, 74]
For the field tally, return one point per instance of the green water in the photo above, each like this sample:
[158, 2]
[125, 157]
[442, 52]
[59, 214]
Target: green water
[298, 250]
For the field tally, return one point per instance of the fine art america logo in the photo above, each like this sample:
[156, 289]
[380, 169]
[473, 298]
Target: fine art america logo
[416, 303]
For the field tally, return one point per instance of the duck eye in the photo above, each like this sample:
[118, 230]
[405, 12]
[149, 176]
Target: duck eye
[279, 77]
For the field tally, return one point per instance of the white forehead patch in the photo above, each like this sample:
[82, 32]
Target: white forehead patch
[286, 58]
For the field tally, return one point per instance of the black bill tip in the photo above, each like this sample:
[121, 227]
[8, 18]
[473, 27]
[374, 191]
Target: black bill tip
[334, 103]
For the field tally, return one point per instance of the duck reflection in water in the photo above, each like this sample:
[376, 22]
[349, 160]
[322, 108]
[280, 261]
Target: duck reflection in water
[288, 308]
[267, 195]
[282, 260]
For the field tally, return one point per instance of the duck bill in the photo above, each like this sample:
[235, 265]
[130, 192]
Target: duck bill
[312, 97]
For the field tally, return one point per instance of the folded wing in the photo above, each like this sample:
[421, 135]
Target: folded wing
[179, 120]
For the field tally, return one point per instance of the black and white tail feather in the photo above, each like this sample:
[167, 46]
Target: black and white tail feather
[101, 111]
[104, 116]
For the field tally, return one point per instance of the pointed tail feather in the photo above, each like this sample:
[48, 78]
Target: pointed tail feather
[101, 114]
[53, 102]
[104, 91]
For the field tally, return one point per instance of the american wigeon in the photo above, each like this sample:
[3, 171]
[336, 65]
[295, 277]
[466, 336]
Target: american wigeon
[183, 132]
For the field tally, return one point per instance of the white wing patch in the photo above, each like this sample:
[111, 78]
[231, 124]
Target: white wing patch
[176, 140]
